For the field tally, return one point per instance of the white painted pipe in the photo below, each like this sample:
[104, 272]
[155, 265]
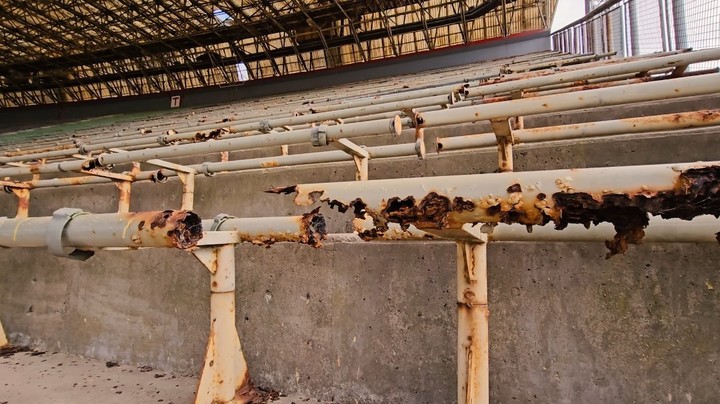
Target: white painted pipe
[656, 123]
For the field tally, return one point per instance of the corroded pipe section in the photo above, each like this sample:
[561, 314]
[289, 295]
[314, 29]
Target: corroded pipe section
[170, 228]
[307, 229]
[699, 230]
[622, 196]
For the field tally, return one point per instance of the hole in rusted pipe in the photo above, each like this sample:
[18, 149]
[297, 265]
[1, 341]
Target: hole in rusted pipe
[282, 190]
[187, 230]
[314, 228]
[158, 177]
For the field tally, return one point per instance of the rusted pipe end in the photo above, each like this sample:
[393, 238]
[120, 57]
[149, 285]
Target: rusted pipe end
[313, 228]
[185, 227]
[158, 177]
[396, 126]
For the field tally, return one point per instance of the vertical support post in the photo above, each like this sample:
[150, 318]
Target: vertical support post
[125, 188]
[503, 133]
[473, 358]
[3, 337]
[23, 195]
[225, 376]
[519, 121]
[188, 195]
[360, 157]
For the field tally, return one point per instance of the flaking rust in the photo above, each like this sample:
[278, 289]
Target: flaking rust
[185, 227]
[311, 231]
[314, 229]
[696, 192]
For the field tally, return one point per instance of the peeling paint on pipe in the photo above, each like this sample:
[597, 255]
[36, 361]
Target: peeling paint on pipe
[169, 228]
[307, 229]
[653, 91]
[622, 196]
[683, 120]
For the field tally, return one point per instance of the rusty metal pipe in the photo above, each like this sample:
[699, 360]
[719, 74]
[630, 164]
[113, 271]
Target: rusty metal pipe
[306, 229]
[653, 91]
[657, 123]
[322, 135]
[699, 230]
[623, 196]
[170, 228]
[620, 67]
[376, 152]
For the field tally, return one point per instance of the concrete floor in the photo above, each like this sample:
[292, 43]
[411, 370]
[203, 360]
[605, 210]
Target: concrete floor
[34, 377]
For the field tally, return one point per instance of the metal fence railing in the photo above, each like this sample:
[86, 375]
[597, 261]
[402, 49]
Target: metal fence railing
[637, 27]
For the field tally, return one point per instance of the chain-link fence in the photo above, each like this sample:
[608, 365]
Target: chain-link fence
[637, 27]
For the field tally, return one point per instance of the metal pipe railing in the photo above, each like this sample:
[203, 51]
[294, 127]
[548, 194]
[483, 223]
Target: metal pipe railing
[80, 230]
[701, 229]
[379, 105]
[605, 96]
[153, 140]
[623, 196]
[642, 92]
[656, 123]
[321, 135]
[618, 67]
[225, 375]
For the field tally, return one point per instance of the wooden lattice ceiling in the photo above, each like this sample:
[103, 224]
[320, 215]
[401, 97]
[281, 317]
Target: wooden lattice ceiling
[67, 50]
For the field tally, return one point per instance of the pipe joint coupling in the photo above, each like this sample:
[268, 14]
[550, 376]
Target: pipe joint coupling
[205, 170]
[318, 136]
[219, 220]
[265, 126]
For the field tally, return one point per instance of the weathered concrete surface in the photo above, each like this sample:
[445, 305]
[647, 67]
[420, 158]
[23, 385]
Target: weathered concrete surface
[55, 377]
[376, 323]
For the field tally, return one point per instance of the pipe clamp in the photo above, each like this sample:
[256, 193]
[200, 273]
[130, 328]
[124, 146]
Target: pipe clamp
[53, 237]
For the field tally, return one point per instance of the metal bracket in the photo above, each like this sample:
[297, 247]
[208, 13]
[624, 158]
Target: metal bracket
[22, 192]
[11, 184]
[465, 234]
[420, 143]
[53, 237]
[108, 174]
[225, 377]
[410, 113]
[360, 157]
[505, 139]
[187, 177]
[125, 189]
[318, 136]
[23, 195]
